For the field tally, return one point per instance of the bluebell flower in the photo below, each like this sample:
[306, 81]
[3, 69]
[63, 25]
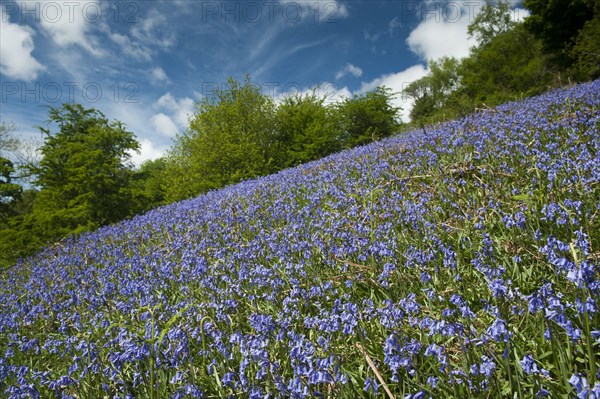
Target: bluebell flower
[529, 366]
[418, 395]
[487, 366]
[228, 379]
[371, 385]
[580, 385]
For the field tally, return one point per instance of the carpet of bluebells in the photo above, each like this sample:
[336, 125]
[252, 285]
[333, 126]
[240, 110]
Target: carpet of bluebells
[460, 261]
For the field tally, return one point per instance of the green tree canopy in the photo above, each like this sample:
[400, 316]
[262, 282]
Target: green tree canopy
[8, 142]
[366, 118]
[507, 64]
[493, 20]
[305, 129]
[430, 93]
[10, 192]
[557, 22]
[83, 175]
[231, 137]
[568, 30]
[510, 66]
[148, 185]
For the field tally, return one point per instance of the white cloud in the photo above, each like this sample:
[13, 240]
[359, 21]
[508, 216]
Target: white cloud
[166, 101]
[148, 151]
[180, 110]
[443, 29]
[159, 75]
[154, 30]
[349, 69]
[397, 82]
[337, 95]
[68, 24]
[433, 39]
[163, 124]
[16, 45]
[443, 32]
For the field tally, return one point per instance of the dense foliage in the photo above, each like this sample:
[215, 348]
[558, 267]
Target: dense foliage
[561, 24]
[559, 41]
[83, 180]
[307, 129]
[463, 262]
[240, 133]
[367, 118]
[230, 138]
[10, 192]
[83, 171]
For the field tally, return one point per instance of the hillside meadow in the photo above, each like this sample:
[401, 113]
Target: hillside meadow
[461, 260]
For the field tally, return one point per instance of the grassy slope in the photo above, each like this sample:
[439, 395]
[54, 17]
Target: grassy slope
[462, 263]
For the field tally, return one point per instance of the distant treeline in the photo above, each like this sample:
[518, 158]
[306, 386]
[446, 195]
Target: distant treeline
[84, 179]
[557, 44]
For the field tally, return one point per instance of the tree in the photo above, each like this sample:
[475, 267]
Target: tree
[507, 64]
[586, 50]
[231, 137]
[510, 66]
[490, 22]
[430, 93]
[8, 142]
[557, 24]
[305, 129]
[148, 185]
[366, 118]
[10, 192]
[83, 175]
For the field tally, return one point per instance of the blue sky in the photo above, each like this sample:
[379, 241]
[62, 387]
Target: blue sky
[146, 63]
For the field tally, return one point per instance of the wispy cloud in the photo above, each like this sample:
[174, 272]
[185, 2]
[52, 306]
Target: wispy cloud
[128, 46]
[393, 25]
[154, 30]
[372, 37]
[349, 69]
[158, 75]
[70, 26]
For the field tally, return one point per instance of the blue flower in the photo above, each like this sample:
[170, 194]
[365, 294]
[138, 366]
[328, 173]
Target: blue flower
[580, 385]
[529, 366]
